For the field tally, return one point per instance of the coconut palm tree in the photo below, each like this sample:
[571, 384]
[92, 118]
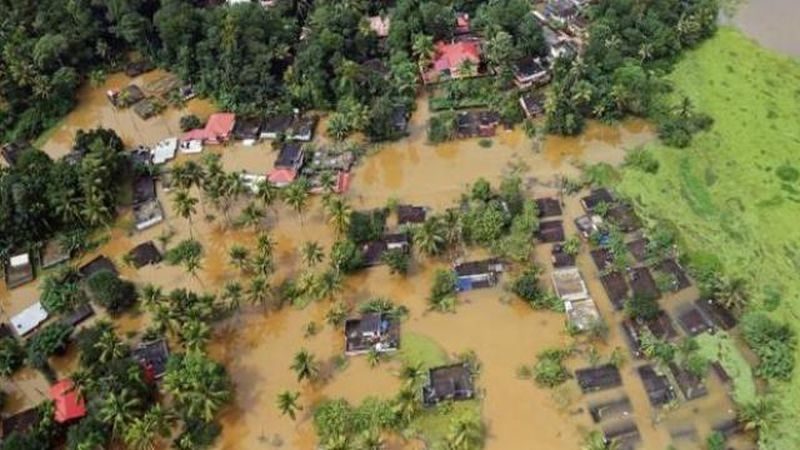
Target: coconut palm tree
[312, 254]
[195, 334]
[466, 433]
[430, 237]
[596, 441]
[287, 403]
[251, 216]
[423, 49]
[263, 264]
[268, 193]
[412, 375]
[185, 206]
[265, 244]
[192, 264]
[330, 284]
[370, 440]
[233, 293]
[110, 346]
[151, 295]
[305, 365]
[406, 405]
[144, 432]
[239, 256]
[296, 195]
[339, 213]
[258, 293]
[117, 409]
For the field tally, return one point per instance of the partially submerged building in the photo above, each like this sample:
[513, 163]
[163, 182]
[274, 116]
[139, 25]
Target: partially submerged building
[29, 319]
[19, 270]
[125, 97]
[451, 59]
[372, 252]
[78, 315]
[378, 332]
[478, 274]
[551, 231]
[638, 248]
[690, 385]
[153, 357]
[679, 279]
[625, 434]
[659, 390]
[447, 383]
[693, 321]
[411, 214]
[147, 214]
[592, 379]
[560, 258]
[624, 218]
[292, 127]
[611, 409]
[718, 314]
[218, 129]
[98, 264]
[595, 198]
[616, 288]
[569, 285]
[588, 224]
[164, 150]
[144, 254]
[582, 314]
[548, 207]
[642, 283]
[532, 104]
[247, 130]
[290, 156]
[530, 71]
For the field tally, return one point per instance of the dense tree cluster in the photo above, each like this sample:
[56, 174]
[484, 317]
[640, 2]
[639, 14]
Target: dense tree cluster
[631, 45]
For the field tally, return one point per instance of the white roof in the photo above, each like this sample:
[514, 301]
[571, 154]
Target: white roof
[164, 150]
[30, 318]
[191, 147]
[20, 260]
[582, 313]
[569, 284]
[251, 180]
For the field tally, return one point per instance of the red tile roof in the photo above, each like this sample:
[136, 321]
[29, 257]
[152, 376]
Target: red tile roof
[451, 56]
[217, 129]
[281, 177]
[69, 404]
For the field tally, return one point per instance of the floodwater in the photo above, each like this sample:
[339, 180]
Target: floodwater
[773, 23]
[257, 346]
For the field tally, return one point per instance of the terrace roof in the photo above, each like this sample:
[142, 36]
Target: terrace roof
[153, 356]
[144, 254]
[452, 382]
[596, 197]
[638, 248]
[551, 231]
[598, 378]
[560, 258]
[548, 206]
[693, 321]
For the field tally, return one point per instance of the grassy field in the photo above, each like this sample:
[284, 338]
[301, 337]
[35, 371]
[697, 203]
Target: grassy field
[734, 195]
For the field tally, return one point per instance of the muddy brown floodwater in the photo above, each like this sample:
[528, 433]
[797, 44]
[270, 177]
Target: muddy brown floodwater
[773, 23]
[257, 347]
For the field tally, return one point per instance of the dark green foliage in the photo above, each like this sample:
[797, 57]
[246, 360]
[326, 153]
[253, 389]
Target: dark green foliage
[12, 355]
[367, 226]
[527, 287]
[715, 441]
[48, 341]
[398, 261]
[89, 432]
[113, 293]
[200, 385]
[441, 127]
[643, 160]
[337, 419]
[190, 122]
[345, 256]
[640, 307]
[184, 251]
[443, 291]
[61, 292]
[197, 434]
[549, 370]
[773, 342]
[91, 354]
[677, 126]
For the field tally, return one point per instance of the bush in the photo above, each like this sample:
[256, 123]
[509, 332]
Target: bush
[184, 251]
[197, 434]
[111, 292]
[190, 122]
[773, 342]
[12, 355]
[443, 291]
[50, 340]
[398, 261]
[366, 226]
[643, 160]
[441, 128]
[345, 256]
[549, 370]
[526, 286]
[61, 292]
[642, 308]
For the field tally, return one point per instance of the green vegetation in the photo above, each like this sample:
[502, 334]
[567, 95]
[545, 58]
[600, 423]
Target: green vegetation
[443, 291]
[113, 293]
[773, 342]
[12, 355]
[418, 350]
[466, 93]
[527, 287]
[735, 211]
[549, 370]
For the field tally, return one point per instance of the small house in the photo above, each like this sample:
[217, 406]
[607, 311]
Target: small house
[466, 125]
[281, 177]
[560, 258]
[147, 214]
[548, 207]
[478, 274]
[29, 319]
[378, 332]
[690, 385]
[290, 156]
[530, 71]
[694, 322]
[380, 25]
[372, 252]
[19, 270]
[252, 181]
[587, 225]
[487, 123]
[135, 68]
[592, 379]
[78, 315]
[632, 331]
[625, 434]
[97, 264]
[642, 283]
[721, 316]
[410, 214]
[450, 59]
[658, 388]
[164, 150]
[569, 285]
[551, 231]
[53, 254]
[448, 383]
[595, 198]
[302, 129]
[148, 107]
[611, 409]
[152, 356]
[560, 12]
[583, 314]
[322, 160]
[274, 126]
[532, 104]
[144, 254]
[218, 129]
[125, 97]
[638, 248]
[247, 130]
[144, 189]
[67, 401]
[616, 288]
[661, 326]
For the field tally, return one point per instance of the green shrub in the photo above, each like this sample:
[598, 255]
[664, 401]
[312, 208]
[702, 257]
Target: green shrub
[61, 292]
[441, 127]
[640, 307]
[398, 261]
[443, 291]
[549, 370]
[345, 256]
[366, 226]
[113, 293]
[12, 355]
[48, 341]
[526, 286]
[773, 342]
[643, 160]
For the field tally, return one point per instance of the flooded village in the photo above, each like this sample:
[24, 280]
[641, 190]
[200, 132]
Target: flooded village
[590, 257]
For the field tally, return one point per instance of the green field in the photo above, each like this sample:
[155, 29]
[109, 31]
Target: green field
[734, 194]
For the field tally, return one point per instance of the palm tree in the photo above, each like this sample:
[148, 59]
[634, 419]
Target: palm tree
[144, 432]
[296, 195]
[406, 405]
[305, 365]
[268, 193]
[730, 292]
[412, 375]
[466, 433]
[338, 127]
[195, 334]
[251, 216]
[263, 264]
[110, 346]
[192, 265]
[453, 227]
[151, 295]
[430, 237]
[185, 206]
[287, 403]
[233, 293]
[239, 256]
[265, 244]
[423, 49]
[761, 414]
[312, 254]
[339, 213]
[330, 283]
[370, 439]
[117, 409]
[258, 292]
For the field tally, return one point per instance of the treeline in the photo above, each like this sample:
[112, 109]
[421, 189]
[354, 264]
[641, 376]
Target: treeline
[631, 46]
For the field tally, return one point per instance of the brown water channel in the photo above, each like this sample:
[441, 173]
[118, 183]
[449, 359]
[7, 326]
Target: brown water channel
[257, 347]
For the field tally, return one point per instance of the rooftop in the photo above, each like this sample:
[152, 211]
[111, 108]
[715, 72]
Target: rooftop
[144, 254]
[548, 206]
[451, 382]
[658, 388]
[568, 284]
[290, 156]
[551, 231]
[642, 283]
[68, 402]
[97, 264]
[410, 214]
[152, 356]
[598, 378]
[371, 331]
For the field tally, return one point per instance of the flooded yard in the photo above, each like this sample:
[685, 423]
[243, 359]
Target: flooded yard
[257, 346]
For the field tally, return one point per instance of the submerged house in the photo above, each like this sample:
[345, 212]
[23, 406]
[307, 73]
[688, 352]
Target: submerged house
[450, 60]
[551, 231]
[569, 285]
[560, 12]
[293, 128]
[548, 207]
[144, 254]
[411, 214]
[560, 258]
[247, 130]
[598, 378]
[582, 314]
[372, 252]
[218, 129]
[445, 383]
[694, 322]
[152, 356]
[147, 214]
[595, 198]
[29, 319]
[78, 315]
[378, 332]
[477, 274]
[530, 71]
[658, 388]
[67, 401]
[164, 150]
[19, 270]
[616, 288]
[97, 264]
[53, 254]
[125, 97]
[291, 156]
[532, 104]
[611, 409]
